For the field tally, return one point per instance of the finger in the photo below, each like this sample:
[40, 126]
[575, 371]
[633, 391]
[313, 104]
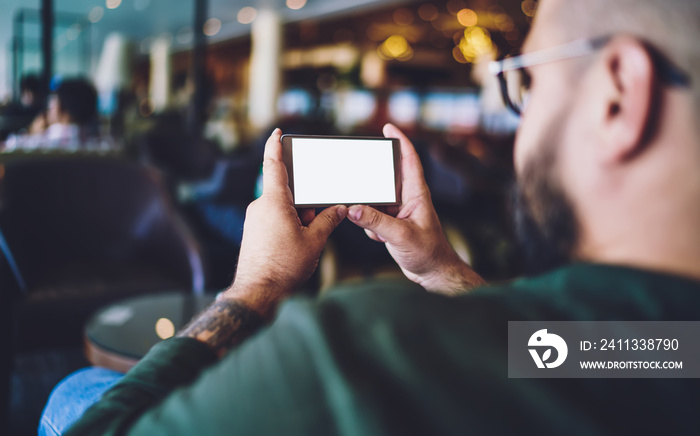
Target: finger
[373, 236]
[326, 221]
[273, 146]
[413, 179]
[306, 216]
[390, 210]
[274, 172]
[384, 226]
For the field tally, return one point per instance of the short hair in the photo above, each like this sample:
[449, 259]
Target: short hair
[30, 83]
[670, 26]
[78, 98]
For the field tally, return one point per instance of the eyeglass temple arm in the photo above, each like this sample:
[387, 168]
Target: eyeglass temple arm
[578, 48]
[668, 72]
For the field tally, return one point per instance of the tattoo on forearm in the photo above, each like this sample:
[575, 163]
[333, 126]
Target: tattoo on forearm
[223, 325]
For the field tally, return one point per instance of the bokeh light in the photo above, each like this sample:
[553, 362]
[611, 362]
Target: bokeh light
[184, 35]
[73, 32]
[247, 15]
[403, 17]
[504, 23]
[212, 26]
[467, 17]
[475, 43]
[529, 7]
[96, 14]
[296, 4]
[395, 47]
[459, 57]
[113, 4]
[428, 12]
[165, 328]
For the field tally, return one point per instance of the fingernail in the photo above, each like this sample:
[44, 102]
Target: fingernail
[342, 212]
[274, 132]
[355, 212]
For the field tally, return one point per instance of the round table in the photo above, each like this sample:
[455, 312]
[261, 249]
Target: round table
[119, 335]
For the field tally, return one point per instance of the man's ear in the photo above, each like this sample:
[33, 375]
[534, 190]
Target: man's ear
[628, 69]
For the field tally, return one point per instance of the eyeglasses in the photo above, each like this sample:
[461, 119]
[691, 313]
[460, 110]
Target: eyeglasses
[515, 81]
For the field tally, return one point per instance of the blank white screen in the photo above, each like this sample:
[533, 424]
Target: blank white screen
[343, 171]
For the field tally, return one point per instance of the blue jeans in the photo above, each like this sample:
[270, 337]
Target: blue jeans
[73, 396]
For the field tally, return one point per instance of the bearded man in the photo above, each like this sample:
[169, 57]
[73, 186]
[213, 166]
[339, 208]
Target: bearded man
[607, 160]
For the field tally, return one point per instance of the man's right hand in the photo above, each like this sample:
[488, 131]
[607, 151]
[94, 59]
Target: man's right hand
[415, 238]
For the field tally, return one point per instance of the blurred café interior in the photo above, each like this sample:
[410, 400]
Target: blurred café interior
[131, 140]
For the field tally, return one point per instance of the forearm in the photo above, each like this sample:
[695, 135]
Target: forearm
[224, 324]
[171, 365]
[462, 279]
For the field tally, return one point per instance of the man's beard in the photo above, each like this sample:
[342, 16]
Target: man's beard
[545, 222]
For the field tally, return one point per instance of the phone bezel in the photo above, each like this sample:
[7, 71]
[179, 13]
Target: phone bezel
[289, 163]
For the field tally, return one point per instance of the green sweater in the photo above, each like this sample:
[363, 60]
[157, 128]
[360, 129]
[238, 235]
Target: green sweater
[389, 358]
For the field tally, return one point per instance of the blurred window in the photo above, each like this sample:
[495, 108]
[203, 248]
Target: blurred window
[404, 107]
[353, 107]
[457, 111]
[295, 102]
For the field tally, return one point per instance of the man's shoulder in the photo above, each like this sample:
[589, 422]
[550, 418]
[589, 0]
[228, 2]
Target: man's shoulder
[578, 291]
[589, 291]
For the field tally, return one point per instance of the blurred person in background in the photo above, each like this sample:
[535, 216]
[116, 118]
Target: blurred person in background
[606, 158]
[30, 92]
[18, 116]
[70, 121]
[31, 97]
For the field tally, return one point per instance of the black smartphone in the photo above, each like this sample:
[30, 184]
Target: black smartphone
[330, 170]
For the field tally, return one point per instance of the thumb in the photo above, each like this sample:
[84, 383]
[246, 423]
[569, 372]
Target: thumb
[326, 221]
[384, 226]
